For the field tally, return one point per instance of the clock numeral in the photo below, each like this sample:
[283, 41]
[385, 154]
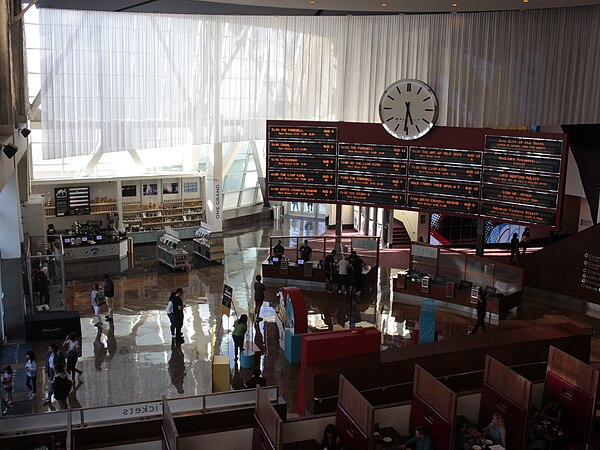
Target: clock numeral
[426, 99]
[391, 98]
[425, 120]
[396, 129]
[430, 109]
[419, 91]
[391, 118]
[417, 127]
[387, 107]
[398, 89]
[408, 87]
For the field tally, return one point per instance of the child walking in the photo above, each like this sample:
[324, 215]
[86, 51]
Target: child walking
[31, 369]
[7, 384]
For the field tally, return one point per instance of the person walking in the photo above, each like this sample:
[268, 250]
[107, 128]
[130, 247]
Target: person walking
[259, 297]
[514, 246]
[238, 334]
[97, 301]
[525, 239]
[109, 293]
[31, 369]
[54, 358]
[73, 352]
[481, 312]
[170, 314]
[62, 386]
[7, 384]
[178, 315]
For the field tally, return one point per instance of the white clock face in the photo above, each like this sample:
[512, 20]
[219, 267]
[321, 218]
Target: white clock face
[408, 109]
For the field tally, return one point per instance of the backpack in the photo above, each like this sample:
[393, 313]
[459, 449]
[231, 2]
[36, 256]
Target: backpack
[62, 387]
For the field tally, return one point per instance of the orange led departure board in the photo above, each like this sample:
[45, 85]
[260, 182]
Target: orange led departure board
[515, 176]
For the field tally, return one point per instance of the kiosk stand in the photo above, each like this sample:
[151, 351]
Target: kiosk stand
[169, 251]
[292, 322]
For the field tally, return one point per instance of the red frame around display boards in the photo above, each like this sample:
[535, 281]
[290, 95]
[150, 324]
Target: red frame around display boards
[448, 171]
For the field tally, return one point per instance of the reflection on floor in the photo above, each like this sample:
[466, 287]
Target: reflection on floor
[132, 359]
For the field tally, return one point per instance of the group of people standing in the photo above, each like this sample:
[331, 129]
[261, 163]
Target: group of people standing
[103, 295]
[346, 272]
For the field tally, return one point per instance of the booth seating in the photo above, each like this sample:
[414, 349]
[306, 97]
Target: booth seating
[574, 385]
[506, 392]
[170, 435]
[354, 417]
[268, 428]
[433, 405]
[387, 376]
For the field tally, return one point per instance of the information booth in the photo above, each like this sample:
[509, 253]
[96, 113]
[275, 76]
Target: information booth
[457, 279]
[170, 251]
[289, 267]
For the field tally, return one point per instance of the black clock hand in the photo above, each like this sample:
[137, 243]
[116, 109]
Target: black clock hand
[408, 113]
[406, 116]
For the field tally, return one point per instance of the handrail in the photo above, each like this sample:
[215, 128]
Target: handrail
[128, 412]
[443, 377]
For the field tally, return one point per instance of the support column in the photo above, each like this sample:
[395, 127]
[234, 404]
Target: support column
[214, 188]
[480, 237]
[11, 284]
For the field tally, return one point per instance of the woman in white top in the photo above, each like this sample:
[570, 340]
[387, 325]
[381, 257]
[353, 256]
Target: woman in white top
[31, 369]
[343, 275]
[73, 351]
[96, 304]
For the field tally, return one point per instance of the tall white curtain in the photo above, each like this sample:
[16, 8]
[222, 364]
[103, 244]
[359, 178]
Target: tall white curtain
[118, 81]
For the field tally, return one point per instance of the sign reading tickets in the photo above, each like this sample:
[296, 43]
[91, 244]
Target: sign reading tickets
[227, 299]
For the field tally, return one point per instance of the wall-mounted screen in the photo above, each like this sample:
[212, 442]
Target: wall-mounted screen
[129, 190]
[150, 189]
[170, 188]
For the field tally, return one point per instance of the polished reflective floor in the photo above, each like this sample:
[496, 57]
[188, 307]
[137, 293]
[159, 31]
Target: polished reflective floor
[132, 359]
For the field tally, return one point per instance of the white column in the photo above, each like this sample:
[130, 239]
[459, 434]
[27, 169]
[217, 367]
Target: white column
[214, 188]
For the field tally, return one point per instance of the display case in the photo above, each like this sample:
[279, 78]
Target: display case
[209, 244]
[171, 213]
[170, 251]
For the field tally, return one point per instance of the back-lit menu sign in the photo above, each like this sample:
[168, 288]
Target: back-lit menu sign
[521, 162]
[316, 133]
[441, 171]
[312, 148]
[517, 214]
[452, 205]
[551, 147]
[524, 180]
[372, 181]
[288, 176]
[365, 196]
[511, 195]
[372, 166]
[304, 193]
[72, 201]
[372, 151]
[302, 162]
[442, 155]
[444, 187]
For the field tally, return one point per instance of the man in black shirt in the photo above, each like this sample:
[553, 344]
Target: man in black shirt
[306, 251]
[330, 270]
[278, 250]
[178, 314]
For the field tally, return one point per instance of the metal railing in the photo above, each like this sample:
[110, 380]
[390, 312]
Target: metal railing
[130, 412]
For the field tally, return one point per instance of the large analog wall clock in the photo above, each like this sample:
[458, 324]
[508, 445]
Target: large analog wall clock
[408, 109]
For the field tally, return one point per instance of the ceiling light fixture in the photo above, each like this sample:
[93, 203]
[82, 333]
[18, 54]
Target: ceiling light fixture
[384, 4]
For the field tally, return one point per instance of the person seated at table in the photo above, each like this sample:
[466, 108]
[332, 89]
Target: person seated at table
[461, 439]
[551, 411]
[331, 440]
[420, 441]
[496, 430]
[278, 250]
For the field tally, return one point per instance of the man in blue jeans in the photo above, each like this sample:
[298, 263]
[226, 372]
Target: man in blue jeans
[420, 441]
